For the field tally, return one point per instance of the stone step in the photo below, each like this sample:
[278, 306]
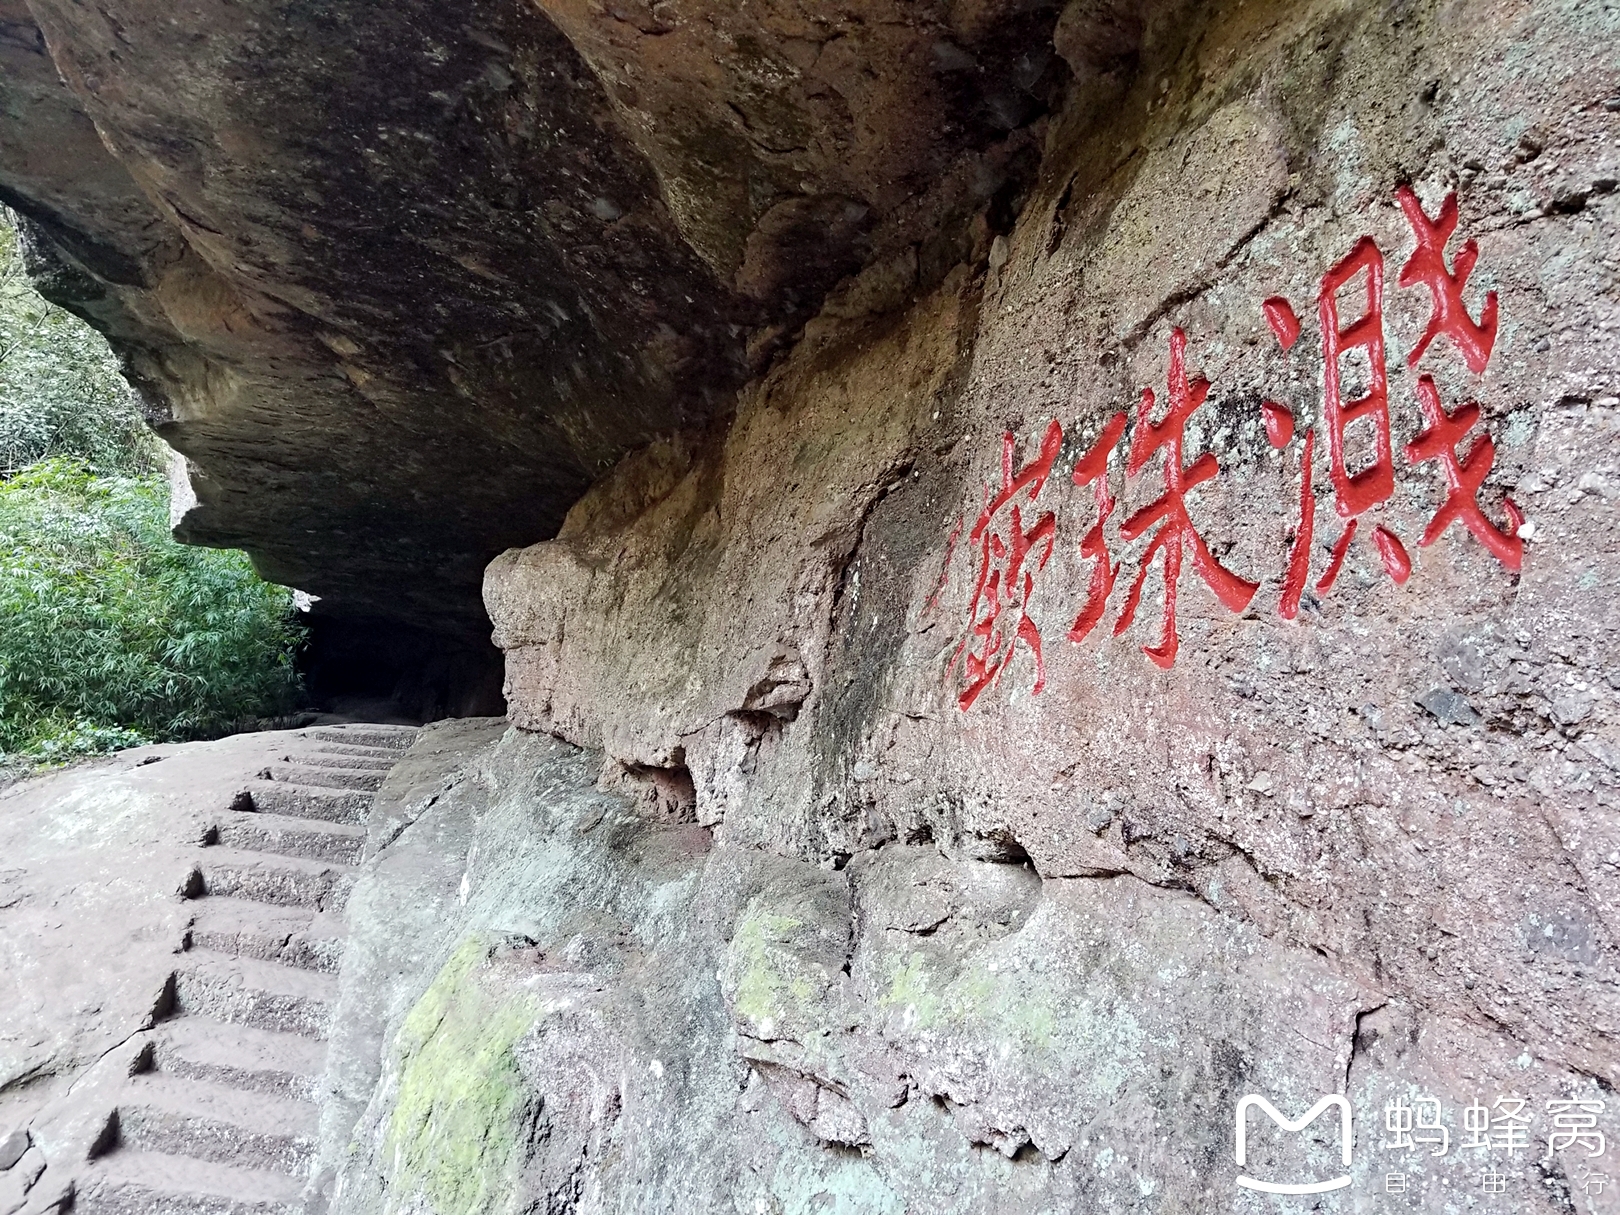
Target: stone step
[128, 1182]
[254, 1060]
[393, 738]
[291, 935]
[273, 878]
[310, 839]
[259, 995]
[334, 751]
[304, 801]
[317, 777]
[339, 758]
[175, 1117]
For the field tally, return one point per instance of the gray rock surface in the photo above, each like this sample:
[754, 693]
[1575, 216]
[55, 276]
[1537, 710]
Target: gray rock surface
[401, 281]
[553, 1001]
[13, 1146]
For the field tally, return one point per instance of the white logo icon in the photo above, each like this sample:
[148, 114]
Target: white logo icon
[1309, 1187]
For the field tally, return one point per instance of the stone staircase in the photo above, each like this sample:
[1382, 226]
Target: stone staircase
[219, 1115]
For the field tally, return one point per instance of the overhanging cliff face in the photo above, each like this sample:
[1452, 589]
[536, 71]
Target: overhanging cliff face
[400, 282]
[1314, 636]
[1002, 770]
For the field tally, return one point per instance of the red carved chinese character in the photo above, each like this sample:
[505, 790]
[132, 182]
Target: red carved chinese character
[1171, 509]
[1092, 469]
[1448, 314]
[1341, 546]
[1360, 491]
[1356, 493]
[1299, 553]
[1279, 423]
[1284, 322]
[1279, 430]
[1393, 553]
[1442, 432]
[1006, 580]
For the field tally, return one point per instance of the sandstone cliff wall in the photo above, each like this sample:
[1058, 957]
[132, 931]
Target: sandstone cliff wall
[944, 776]
[872, 622]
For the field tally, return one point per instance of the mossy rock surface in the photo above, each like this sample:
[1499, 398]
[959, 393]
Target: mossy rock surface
[455, 1137]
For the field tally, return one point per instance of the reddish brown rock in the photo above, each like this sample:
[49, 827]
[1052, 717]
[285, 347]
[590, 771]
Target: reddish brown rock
[1405, 779]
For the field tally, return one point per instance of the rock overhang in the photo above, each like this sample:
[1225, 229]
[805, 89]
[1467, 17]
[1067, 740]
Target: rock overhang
[401, 283]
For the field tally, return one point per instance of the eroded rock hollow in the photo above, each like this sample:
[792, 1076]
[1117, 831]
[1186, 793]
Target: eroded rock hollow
[1054, 564]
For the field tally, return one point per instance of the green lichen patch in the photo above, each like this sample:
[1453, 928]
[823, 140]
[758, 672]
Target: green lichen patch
[454, 1135]
[909, 994]
[765, 976]
[994, 999]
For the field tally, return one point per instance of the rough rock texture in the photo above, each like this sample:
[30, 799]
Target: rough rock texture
[1402, 793]
[555, 1002]
[884, 828]
[400, 281]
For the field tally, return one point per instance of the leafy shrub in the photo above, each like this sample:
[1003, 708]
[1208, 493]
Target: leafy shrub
[61, 390]
[112, 634]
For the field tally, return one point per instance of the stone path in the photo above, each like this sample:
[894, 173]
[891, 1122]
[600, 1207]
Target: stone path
[218, 1116]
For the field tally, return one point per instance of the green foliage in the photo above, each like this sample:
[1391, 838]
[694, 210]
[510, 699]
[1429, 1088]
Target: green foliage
[61, 391]
[112, 634]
